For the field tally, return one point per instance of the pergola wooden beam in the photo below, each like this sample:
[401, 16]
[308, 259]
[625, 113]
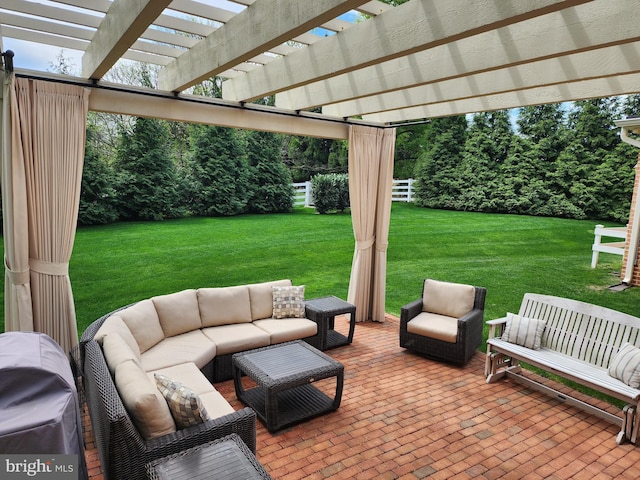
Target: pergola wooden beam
[120, 28]
[558, 33]
[605, 62]
[566, 92]
[411, 27]
[253, 31]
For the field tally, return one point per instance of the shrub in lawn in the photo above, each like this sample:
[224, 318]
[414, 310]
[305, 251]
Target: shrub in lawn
[330, 192]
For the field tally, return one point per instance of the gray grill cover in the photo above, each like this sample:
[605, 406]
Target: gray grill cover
[39, 409]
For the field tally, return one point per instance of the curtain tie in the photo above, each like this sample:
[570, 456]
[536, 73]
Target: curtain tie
[49, 268]
[381, 247]
[365, 244]
[17, 277]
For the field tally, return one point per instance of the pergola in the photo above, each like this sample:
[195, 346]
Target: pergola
[332, 77]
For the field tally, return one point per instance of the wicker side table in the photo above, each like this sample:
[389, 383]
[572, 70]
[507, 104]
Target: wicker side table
[227, 457]
[284, 375]
[323, 311]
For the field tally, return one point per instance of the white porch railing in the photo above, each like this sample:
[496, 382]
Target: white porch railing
[402, 191]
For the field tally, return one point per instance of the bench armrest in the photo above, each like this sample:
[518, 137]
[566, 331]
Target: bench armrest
[496, 327]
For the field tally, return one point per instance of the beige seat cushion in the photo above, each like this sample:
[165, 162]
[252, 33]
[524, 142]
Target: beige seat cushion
[287, 329]
[435, 326]
[224, 306]
[236, 338]
[189, 375]
[215, 404]
[192, 346]
[449, 299]
[144, 324]
[178, 312]
[115, 324]
[116, 351]
[261, 295]
[146, 406]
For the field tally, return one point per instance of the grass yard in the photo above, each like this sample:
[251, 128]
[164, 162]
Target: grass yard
[118, 264]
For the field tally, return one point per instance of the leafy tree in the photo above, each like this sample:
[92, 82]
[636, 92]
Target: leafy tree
[269, 182]
[219, 172]
[485, 151]
[437, 170]
[97, 195]
[147, 178]
[307, 156]
[410, 143]
[592, 136]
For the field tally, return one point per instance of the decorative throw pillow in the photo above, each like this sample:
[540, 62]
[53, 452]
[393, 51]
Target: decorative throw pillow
[625, 365]
[186, 408]
[523, 331]
[288, 302]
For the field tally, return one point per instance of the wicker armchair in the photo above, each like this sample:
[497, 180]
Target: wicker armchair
[445, 323]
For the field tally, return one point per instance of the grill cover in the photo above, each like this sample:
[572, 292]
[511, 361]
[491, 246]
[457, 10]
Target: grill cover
[39, 408]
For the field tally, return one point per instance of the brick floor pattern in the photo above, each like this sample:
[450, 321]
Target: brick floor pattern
[406, 417]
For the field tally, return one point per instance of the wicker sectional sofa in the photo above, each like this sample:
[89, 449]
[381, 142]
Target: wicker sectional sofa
[189, 337]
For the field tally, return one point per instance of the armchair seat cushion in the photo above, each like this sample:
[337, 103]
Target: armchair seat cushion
[433, 325]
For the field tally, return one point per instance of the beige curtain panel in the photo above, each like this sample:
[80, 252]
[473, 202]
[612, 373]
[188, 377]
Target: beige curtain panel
[49, 121]
[383, 217]
[370, 181]
[17, 290]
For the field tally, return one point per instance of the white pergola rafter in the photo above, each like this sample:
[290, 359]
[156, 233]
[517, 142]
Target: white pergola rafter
[229, 46]
[605, 62]
[120, 28]
[396, 64]
[412, 27]
[512, 45]
[564, 92]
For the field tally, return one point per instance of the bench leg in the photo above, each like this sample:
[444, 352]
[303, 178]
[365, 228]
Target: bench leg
[497, 364]
[630, 425]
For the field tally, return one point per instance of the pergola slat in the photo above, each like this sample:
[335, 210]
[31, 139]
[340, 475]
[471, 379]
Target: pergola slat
[413, 26]
[231, 45]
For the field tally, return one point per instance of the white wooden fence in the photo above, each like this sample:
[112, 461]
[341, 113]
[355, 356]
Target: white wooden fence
[617, 248]
[402, 192]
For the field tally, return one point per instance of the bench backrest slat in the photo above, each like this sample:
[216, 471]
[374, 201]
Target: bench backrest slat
[581, 330]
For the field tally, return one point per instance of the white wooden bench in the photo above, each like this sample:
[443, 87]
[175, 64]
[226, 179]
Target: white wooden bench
[578, 342]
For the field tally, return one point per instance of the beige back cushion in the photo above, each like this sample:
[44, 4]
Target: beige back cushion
[144, 324]
[117, 351]
[146, 405]
[115, 324]
[178, 312]
[261, 295]
[224, 306]
[449, 299]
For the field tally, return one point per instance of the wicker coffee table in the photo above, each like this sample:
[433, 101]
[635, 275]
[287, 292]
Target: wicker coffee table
[227, 457]
[284, 374]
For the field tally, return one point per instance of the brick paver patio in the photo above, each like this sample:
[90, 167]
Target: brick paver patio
[403, 416]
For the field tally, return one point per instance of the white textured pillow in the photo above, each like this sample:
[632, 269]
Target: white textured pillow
[625, 365]
[288, 302]
[523, 331]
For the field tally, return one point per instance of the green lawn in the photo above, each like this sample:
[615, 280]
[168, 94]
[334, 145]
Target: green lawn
[118, 264]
